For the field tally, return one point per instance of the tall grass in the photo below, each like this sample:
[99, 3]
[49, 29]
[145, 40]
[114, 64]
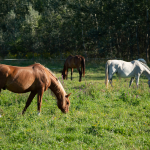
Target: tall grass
[99, 118]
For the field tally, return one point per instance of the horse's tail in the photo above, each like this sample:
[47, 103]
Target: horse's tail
[106, 73]
[83, 65]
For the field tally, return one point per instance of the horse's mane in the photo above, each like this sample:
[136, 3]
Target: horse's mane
[51, 73]
[62, 90]
[58, 83]
[145, 65]
[142, 60]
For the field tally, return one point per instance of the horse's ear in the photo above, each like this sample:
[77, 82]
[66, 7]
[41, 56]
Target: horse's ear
[68, 95]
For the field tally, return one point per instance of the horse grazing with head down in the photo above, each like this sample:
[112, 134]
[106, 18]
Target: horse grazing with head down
[74, 62]
[35, 79]
[125, 69]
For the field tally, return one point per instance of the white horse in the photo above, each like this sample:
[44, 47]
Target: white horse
[125, 69]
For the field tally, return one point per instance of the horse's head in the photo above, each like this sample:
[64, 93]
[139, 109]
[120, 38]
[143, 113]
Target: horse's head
[64, 107]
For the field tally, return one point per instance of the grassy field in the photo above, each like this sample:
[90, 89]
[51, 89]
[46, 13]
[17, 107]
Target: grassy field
[99, 118]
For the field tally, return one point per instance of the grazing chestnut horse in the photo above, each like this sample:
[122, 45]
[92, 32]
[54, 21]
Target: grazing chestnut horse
[74, 62]
[35, 79]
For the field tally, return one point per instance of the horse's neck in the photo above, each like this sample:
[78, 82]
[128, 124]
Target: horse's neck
[57, 89]
[65, 69]
[65, 66]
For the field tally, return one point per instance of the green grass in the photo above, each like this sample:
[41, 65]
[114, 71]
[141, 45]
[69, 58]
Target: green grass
[99, 118]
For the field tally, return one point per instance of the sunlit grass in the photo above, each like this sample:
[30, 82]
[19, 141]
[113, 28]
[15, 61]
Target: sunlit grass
[99, 118]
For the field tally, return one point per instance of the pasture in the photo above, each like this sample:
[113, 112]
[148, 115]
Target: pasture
[99, 118]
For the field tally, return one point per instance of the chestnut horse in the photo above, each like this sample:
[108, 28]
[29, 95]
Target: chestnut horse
[35, 79]
[74, 62]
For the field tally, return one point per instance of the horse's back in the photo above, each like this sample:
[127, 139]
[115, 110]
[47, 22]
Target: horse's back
[120, 63]
[74, 61]
[125, 69]
[22, 79]
[71, 61]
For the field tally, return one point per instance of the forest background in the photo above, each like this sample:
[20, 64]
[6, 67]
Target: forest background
[92, 28]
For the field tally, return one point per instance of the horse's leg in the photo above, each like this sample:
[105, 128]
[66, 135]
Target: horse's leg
[137, 79]
[131, 81]
[80, 74]
[111, 82]
[110, 79]
[30, 98]
[39, 100]
[71, 72]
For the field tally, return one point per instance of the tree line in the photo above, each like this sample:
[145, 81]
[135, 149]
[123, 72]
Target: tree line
[92, 28]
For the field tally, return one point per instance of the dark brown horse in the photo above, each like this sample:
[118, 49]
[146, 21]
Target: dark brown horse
[74, 62]
[35, 79]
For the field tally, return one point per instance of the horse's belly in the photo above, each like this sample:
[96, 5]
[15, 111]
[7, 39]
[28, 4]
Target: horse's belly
[72, 66]
[126, 74]
[18, 88]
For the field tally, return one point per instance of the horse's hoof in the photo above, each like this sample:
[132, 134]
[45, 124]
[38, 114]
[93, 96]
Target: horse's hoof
[38, 113]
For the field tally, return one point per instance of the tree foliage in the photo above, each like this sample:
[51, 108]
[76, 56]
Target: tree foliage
[93, 28]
